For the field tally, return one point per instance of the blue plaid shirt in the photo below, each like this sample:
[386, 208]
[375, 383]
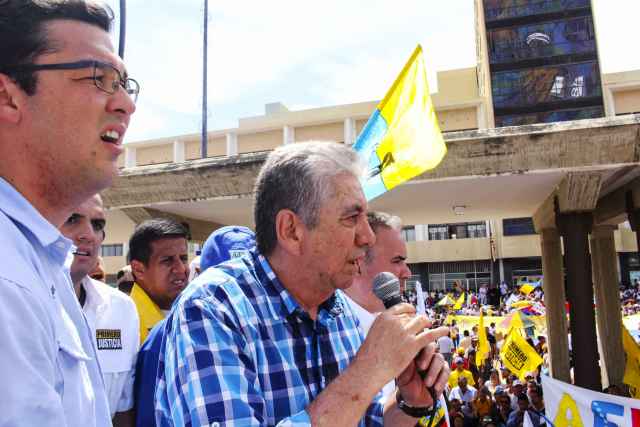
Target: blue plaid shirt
[239, 350]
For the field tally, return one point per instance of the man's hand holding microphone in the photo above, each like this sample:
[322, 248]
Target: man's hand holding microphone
[401, 345]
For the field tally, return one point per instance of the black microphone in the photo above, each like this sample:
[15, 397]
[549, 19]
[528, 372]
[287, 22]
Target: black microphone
[386, 287]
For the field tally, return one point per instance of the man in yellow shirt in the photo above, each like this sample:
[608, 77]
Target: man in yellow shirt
[159, 262]
[459, 371]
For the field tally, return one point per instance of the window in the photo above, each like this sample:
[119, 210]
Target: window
[478, 229]
[462, 230]
[409, 233]
[517, 226]
[111, 250]
[438, 232]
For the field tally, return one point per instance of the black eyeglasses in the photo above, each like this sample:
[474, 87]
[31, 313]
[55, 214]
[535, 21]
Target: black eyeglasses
[105, 76]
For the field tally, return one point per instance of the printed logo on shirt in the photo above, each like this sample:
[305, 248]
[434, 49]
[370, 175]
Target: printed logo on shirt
[109, 339]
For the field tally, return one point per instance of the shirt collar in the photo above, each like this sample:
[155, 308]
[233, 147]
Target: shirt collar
[94, 297]
[16, 207]
[333, 306]
[148, 310]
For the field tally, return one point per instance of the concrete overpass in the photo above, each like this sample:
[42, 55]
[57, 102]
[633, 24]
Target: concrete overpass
[576, 179]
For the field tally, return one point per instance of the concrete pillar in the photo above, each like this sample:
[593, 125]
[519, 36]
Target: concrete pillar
[130, 157]
[349, 131]
[608, 314]
[574, 228]
[609, 103]
[554, 298]
[232, 144]
[288, 135]
[178, 152]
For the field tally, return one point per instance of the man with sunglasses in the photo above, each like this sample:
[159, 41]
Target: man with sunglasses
[65, 104]
[112, 315]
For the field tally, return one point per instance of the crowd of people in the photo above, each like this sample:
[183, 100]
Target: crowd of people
[630, 298]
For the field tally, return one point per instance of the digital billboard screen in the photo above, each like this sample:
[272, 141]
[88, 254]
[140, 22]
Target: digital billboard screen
[549, 84]
[542, 40]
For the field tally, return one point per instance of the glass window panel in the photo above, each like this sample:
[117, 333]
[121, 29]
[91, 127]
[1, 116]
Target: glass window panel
[517, 226]
[409, 234]
[111, 250]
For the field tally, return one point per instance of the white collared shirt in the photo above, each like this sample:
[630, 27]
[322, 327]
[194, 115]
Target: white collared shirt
[47, 359]
[113, 319]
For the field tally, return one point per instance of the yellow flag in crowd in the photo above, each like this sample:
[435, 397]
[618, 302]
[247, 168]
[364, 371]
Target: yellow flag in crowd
[518, 356]
[632, 368]
[483, 343]
[459, 302]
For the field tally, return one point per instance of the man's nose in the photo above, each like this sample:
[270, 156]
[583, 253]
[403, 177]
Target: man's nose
[87, 234]
[365, 235]
[179, 267]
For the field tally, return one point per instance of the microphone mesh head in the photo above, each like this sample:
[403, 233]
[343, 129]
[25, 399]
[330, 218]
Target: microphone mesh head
[386, 286]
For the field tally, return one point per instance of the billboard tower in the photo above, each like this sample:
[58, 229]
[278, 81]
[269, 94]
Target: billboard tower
[542, 60]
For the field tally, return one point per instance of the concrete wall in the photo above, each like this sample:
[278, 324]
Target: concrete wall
[518, 246]
[456, 87]
[453, 120]
[216, 146]
[325, 132]
[448, 250]
[625, 240]
[118, 230]
[259, 141]
[627, 101]
[154, 154]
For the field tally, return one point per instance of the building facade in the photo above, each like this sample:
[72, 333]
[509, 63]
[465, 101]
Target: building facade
[535, 64]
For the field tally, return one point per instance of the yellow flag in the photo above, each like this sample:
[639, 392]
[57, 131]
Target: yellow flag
[459, 302]
[632, 368]
[402, 138]
[518, 356]
[483, 343]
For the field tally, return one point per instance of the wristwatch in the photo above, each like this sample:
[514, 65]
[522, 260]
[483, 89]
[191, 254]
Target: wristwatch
[413, 411]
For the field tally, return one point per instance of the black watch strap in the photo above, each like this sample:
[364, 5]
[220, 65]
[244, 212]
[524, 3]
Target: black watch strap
[413, 411]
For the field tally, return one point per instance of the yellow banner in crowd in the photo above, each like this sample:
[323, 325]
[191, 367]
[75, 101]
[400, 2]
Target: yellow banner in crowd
[468, 322]
[483, 343]
[459, 302]
[518, 356]
[632, 368]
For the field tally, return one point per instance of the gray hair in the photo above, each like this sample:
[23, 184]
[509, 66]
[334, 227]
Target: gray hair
[380, 220]
[298, 177]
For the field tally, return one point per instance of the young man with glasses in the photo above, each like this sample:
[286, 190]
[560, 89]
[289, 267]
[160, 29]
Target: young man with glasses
[63, 115]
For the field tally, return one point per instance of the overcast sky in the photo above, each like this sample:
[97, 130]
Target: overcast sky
[306, 54]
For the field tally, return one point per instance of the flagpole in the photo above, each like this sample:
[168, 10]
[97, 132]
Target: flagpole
[205, 45]
[123, 28]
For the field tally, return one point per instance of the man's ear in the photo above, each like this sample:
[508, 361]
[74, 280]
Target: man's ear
[290, 231]
[11, 97]
[138, 269]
